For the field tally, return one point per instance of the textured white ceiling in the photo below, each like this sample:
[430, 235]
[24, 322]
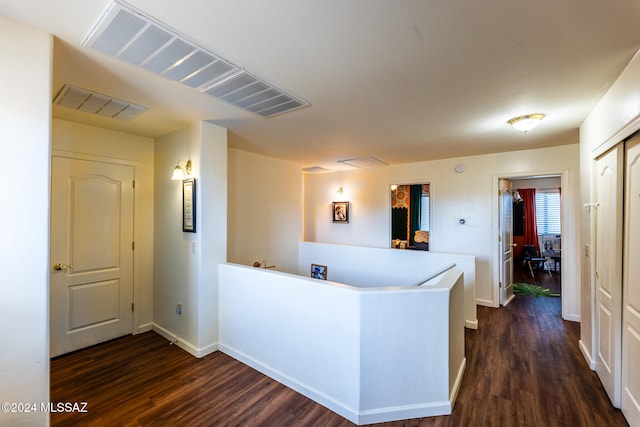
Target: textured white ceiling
[401, 80]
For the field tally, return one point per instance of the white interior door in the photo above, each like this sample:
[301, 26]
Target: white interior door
[608, 293]
[630, 404]
[506, 242]
[91, 253]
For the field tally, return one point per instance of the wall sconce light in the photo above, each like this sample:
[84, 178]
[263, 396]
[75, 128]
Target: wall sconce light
[340, 191]
[181, 172]
[527, 122]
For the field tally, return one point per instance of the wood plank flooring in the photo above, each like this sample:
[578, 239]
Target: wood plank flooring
[524, 368]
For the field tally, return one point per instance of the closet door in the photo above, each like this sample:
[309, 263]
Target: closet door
[631, 287]
[608, 274]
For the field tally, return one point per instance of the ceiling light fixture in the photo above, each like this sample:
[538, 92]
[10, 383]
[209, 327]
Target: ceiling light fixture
[181, 172]
[527, 122]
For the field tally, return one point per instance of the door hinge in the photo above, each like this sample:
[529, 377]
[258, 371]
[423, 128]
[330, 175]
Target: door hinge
[500, 285]
[134, 184]
[133, 246]
[132, 306]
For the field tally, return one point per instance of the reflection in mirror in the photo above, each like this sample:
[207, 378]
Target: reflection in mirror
[410, 216]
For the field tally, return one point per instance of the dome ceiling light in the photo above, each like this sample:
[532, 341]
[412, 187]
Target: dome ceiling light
[526, 123]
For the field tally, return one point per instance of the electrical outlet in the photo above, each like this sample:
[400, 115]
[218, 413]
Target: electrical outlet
[179, 309]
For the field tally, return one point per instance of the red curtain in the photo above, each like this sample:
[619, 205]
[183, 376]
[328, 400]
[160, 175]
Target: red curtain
[529, 206]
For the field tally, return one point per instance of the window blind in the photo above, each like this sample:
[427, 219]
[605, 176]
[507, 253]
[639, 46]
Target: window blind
[548, 211]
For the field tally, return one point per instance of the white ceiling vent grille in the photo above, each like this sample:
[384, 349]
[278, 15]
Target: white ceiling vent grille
[363, 162]
[96, 103]
[139, 40]
[312, 169]
[246, 91]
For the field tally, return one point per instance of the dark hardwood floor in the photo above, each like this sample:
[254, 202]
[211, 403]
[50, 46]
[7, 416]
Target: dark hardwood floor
[524, 368]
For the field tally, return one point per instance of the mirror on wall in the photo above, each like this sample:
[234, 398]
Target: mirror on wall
[410, 216]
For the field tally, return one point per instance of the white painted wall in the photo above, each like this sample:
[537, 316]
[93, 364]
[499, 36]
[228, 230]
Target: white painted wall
[471, 195]
[265, 210]
[616, 117]
[25, 139]
[185, 264]
[378, 267]
[371, 355]
[82, 141]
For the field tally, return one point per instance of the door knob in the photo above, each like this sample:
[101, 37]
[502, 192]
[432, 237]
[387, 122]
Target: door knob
[59, 267]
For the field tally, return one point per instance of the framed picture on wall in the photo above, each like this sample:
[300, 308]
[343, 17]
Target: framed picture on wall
[189, 205]
[340, 212]
[319, 271]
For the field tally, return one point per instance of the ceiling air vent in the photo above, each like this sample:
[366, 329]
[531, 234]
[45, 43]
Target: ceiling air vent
[246, 91]
[140, 40]
[312, 169]
[363, 162]
[96, 103]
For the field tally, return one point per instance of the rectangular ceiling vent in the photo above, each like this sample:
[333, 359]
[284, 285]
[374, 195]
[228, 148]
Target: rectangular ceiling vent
[96, 103]
[363, 162]
[249, 92]
[312, 169]
[133, 37]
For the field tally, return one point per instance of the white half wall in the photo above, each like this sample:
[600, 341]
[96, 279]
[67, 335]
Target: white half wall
[368, 354]
[377, 267]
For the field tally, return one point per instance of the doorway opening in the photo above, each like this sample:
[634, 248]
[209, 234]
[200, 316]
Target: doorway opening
[531, 245]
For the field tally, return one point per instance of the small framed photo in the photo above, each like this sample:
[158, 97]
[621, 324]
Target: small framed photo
[319, 271]
[340, 212]
[189, 205]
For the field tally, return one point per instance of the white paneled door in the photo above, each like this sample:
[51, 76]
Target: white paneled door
[608, 292]
[91, 253]
[631, 285]
[506, 242]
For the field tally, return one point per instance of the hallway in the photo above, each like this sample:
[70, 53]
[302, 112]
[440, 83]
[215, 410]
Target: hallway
[523, 368]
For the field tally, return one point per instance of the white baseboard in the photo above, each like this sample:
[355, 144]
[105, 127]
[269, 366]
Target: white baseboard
[573, 318]
[587, 355]
[509, 300]
[486, 303]
[398, 413]
[183, 344]
[144, 328]
[324, 400]
[379, 415]
[458, 382]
